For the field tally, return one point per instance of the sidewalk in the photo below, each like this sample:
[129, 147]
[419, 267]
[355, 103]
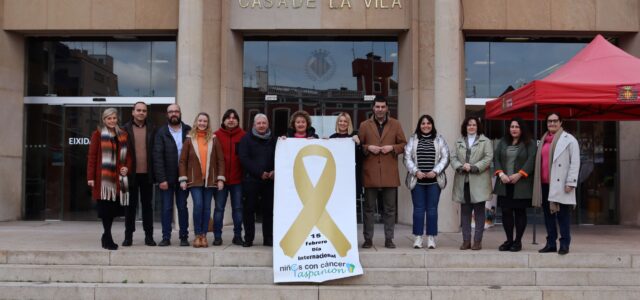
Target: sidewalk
[75, 235]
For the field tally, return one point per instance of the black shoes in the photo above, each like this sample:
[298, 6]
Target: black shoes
[237, 240]
[148, 240]
[128, 241]
[367, 244]
[247, 243]
[164, 243]
[506, 246]
[548, 249]
[516, 246]
[107, 243]
[268, 243]
[217, 242]
[388, 243]
[563, 250]
[184, 242]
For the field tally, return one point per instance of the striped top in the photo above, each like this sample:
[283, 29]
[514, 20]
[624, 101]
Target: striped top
[426, 156]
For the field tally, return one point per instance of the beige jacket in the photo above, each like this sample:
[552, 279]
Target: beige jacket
[481, 157]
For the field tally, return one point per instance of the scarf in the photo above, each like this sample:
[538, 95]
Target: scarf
[108, 170]
[554, 207]
[265, 136]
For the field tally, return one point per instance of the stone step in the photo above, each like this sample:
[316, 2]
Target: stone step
[263, 258]
[372, 276]
[98, 291]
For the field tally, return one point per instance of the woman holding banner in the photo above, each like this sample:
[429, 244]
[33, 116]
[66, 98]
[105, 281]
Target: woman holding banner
[471, 158]
[344, 129]
[426, 157]
[201, 169]
[300, 126]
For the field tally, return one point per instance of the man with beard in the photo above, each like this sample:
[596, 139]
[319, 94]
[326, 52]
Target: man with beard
[382, 141]
[140, 133]
[166, 154]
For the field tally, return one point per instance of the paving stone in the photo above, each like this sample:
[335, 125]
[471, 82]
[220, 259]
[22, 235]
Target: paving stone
[478, 277]
[588, 277]
[476, 260]
[53, 273]
[579, 260]
[62, 291]
[72, 257]
[374, 292]
[157, 274]
[162, 258]
[233, 292]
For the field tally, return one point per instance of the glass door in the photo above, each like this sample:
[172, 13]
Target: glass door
[56, 148]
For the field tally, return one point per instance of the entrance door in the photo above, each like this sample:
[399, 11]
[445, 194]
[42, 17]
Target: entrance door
[56, 148]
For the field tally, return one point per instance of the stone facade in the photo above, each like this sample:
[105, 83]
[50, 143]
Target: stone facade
[210, 36]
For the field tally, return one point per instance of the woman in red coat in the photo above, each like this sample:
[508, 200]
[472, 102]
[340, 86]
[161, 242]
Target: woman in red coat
[108, 164]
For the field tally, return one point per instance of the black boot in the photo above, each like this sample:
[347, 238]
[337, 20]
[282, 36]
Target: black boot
[107, 242]
[128, 239]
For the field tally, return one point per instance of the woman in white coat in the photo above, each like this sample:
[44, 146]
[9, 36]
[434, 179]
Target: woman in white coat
[554, 186]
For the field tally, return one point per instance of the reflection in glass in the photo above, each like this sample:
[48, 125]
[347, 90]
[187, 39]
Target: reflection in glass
[321, 77]
[101, 68]
[492, 67]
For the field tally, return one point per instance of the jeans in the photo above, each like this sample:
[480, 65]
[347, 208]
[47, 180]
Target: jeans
[140, 183]
[425, 200]
[560, 219]
[201, 197]
[167, 211]
[236, 209]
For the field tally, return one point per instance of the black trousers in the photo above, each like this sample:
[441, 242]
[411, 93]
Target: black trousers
[140, 184]
[258, 193]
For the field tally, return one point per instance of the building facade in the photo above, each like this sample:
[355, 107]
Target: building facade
[61, 61]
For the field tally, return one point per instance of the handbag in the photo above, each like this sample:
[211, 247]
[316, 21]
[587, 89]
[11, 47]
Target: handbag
[442, 180]
[410, 181]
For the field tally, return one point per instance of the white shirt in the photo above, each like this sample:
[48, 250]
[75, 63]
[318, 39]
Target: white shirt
[177, 137]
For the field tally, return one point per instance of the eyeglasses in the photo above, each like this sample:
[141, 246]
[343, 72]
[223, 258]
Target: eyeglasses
[173, 111]
[551, 121]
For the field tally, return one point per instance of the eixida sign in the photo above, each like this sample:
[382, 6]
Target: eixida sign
[333, 4]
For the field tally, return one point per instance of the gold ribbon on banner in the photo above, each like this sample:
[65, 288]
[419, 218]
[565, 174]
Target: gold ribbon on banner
[314, 201]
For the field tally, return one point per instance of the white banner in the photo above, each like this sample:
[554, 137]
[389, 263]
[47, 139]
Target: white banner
[314, 223]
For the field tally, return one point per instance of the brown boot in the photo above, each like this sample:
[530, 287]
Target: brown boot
[196, 242]
[204, 242]
[477, 245]
[465, 245]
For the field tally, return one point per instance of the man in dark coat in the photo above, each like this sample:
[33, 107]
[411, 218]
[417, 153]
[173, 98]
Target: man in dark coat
[141, 134]
[166, 153]
[257, 153]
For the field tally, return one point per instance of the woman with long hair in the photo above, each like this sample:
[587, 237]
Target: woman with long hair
[108, 165]
[514, 163]
[229, 136]
[471, 158]
[344, 129]
[201, 170]
[426, 157]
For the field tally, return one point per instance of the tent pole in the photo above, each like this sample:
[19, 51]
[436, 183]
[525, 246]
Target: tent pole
[536, 214]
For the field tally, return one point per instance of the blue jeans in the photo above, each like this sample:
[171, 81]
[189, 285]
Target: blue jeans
[201, 197]
[560, 219]
[425, 200]
[236, 209]
[167, 211]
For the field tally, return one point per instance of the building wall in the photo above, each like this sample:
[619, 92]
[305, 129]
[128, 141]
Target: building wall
[210, 37]
[11, 93]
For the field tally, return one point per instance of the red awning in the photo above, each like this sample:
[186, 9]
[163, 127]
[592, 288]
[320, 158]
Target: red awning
[601, 82]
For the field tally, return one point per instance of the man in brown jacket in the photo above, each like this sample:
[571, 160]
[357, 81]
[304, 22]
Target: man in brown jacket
[382, 141]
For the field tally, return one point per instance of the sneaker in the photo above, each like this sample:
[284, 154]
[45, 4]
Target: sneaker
[431, 241]
[417, 243]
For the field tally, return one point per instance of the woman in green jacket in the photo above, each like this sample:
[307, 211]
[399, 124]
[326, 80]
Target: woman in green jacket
[514, 163]
[471, 158]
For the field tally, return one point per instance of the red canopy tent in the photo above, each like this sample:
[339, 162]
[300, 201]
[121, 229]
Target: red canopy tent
[600, 83]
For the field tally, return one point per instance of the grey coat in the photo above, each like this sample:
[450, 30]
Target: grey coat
[565, 166]
[442, 158]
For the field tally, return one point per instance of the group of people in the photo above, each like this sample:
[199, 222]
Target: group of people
[126, 161]
[526, 176]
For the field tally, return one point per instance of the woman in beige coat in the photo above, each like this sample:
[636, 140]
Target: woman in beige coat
[471, 158]
[554, 185]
